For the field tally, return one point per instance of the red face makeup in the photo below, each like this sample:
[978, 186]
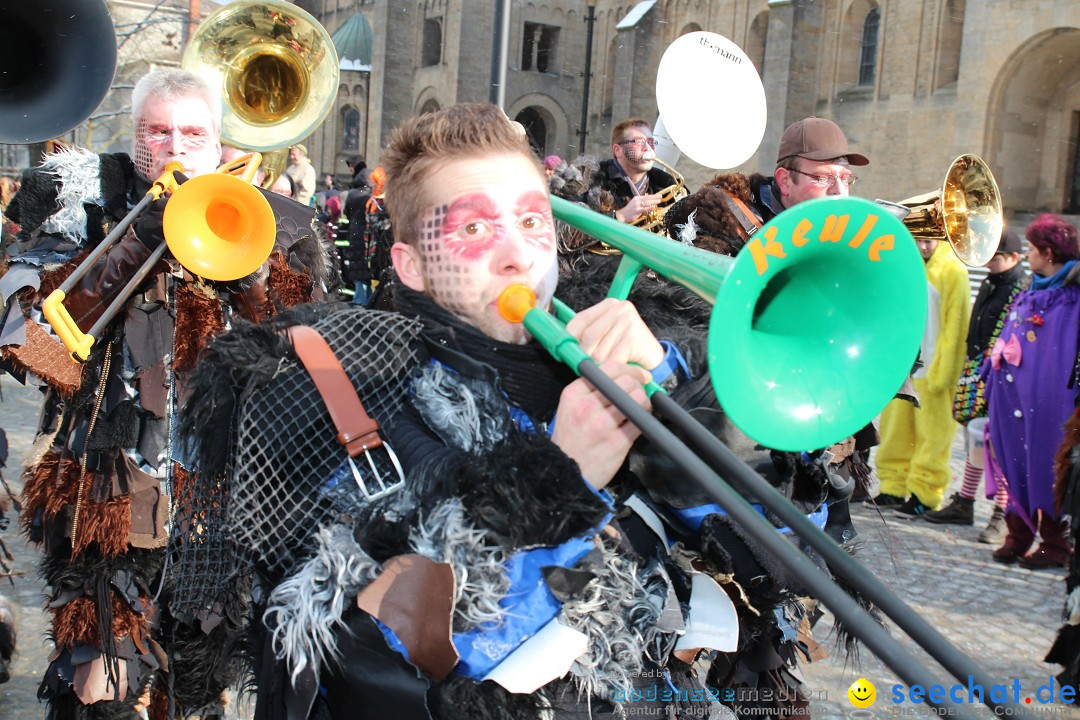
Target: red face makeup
[491, 228]
[176, 130]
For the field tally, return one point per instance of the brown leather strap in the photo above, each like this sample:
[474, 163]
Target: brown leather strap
[356, 430]
[747, 219]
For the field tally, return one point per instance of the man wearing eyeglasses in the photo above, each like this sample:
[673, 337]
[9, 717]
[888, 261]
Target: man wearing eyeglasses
[630, 175]
[813, 161]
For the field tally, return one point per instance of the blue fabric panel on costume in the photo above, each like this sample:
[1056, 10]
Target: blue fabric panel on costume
[392, 640]
[694, 516]
[673, 360]
[529, 605]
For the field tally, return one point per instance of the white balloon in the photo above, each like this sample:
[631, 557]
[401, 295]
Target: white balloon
[711, 100]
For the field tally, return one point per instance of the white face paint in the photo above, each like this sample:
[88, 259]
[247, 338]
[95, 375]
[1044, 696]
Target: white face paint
[490, 227]
[178, 130]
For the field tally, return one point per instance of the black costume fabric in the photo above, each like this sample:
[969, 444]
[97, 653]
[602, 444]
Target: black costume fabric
[98, 492]
[994, 294]
[612, 179]
[1066, 648]
[479, 488]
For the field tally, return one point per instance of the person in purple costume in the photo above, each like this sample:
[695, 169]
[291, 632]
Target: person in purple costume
[1031, 389]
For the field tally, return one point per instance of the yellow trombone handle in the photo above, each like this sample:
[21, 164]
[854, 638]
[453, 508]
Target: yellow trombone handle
[243, 167]
[75, 340]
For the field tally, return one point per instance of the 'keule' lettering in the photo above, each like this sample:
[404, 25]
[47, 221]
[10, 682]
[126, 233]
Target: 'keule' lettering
[833, 230]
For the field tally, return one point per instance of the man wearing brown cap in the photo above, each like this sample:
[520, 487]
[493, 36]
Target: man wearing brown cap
[813, 161]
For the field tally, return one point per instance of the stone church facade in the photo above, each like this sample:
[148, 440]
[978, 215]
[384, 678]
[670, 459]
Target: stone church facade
[914, 83]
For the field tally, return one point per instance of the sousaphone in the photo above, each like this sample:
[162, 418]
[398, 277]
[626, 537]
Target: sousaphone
[56, 66]
[708, 132]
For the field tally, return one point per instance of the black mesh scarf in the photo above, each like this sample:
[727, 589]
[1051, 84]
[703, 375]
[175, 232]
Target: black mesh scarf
[529, 376]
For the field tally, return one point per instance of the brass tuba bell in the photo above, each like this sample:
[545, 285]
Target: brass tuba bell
[966, 211]
[277, 69]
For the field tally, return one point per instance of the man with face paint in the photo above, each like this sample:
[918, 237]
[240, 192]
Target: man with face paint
[99, 492]
[630, 174]
[514, 475]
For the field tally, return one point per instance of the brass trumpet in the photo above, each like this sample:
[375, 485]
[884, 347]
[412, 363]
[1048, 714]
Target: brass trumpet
[653, 221]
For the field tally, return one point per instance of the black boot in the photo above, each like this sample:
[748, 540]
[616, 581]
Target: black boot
[959, 511]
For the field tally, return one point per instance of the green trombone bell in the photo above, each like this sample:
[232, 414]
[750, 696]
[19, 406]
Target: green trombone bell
[816, 323]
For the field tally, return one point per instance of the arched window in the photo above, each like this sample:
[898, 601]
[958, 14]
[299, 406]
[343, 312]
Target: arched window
[868, 54]
[755, 41]
[429, 107]
[431, 48]
[950, 38]
[535, 128]
[350, 128]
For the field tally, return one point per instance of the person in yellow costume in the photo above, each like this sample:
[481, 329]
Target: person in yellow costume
[913, 458]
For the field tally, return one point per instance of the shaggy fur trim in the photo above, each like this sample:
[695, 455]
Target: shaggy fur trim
[79, 174]
[8, 634]
[618, 613]
[467, 415]
[202, 666]
[460, 698]
[76, 623]
[845, 638]
[717, 229]
[1067, 472]
[246, 356]
[527, 493]
[52, 278]
[286, 287]
[106, 525]
[48, 488]
[480, 580]
[198, 320]
[52, 488]
[306, 609]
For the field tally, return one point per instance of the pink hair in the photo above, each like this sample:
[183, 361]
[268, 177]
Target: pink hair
[1053, 233]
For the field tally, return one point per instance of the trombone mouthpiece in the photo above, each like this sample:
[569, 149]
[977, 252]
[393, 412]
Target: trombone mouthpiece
[514, 302]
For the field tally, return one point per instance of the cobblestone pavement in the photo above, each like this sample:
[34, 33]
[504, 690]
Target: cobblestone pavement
[1004, 617]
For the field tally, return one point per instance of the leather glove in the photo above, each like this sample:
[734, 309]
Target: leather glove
[148, 228]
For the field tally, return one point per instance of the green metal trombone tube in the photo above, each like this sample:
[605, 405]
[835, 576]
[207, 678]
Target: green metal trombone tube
[699, 271]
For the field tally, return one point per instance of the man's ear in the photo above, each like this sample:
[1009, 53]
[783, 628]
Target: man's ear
[782, 176]
[408, 265]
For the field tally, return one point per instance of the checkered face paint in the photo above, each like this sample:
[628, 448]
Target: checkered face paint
[491, 228]
[180, 130]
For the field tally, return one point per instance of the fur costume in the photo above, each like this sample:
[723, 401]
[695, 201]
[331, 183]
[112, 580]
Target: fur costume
[913, 458]
[98, 495]
[482, 492]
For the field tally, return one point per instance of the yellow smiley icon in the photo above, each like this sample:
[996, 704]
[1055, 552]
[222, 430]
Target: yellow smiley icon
[862, 693]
